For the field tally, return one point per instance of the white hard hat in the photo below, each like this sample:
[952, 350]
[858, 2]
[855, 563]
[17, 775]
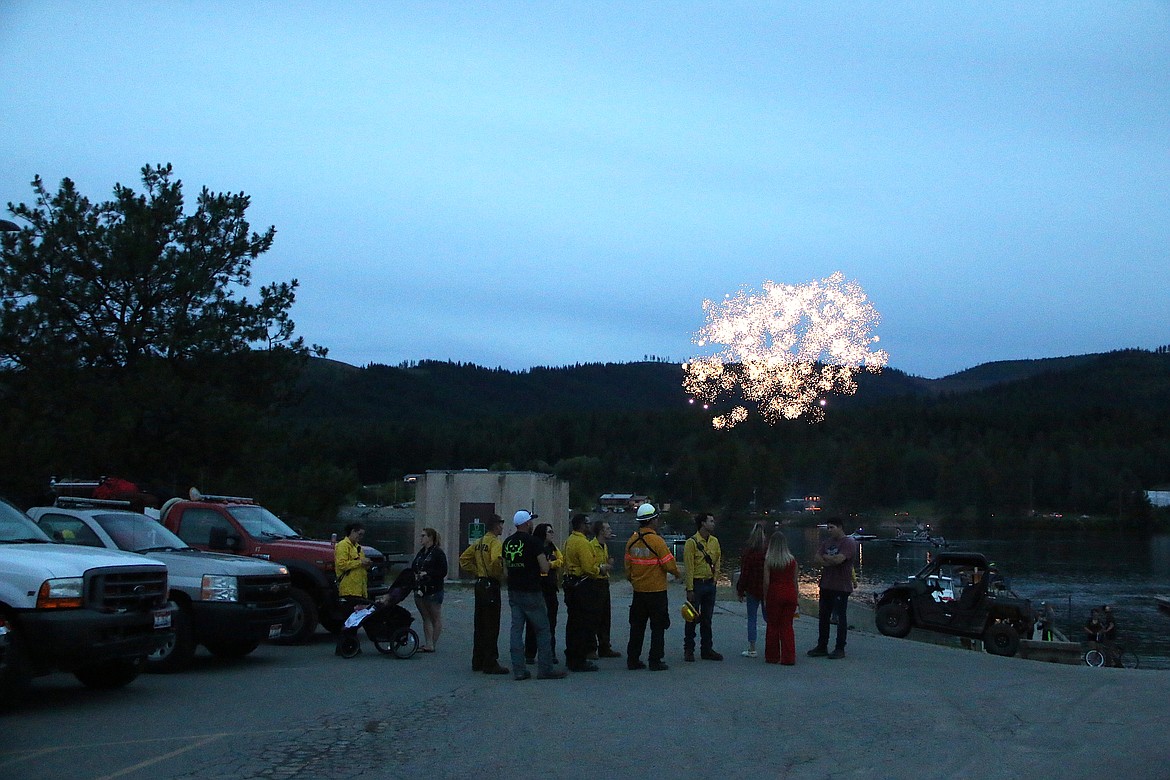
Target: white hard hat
[646, 513]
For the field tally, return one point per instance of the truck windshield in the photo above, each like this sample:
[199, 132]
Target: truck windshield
[258, 521]
[16, 527]
[138, 533]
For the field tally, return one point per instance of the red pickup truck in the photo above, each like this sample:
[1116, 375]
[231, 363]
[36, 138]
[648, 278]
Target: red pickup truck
[244, 527]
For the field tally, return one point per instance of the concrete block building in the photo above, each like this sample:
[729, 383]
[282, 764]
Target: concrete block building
[453, 502]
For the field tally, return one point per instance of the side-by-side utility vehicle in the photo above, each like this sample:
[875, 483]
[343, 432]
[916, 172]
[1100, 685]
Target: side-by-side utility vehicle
[961, 594]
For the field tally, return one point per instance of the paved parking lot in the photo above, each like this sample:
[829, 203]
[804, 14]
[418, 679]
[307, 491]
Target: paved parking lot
[891, 709]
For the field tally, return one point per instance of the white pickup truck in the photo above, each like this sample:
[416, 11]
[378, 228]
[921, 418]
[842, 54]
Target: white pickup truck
[227, 603]
[95, 613]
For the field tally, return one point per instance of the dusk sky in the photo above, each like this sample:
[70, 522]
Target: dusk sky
[521, 184]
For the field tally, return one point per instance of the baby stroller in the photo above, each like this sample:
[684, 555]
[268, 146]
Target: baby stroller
[386, 623]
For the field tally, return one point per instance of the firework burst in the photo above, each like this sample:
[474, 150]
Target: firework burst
[785, 349]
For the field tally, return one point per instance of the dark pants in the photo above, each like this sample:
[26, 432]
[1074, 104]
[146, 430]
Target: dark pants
[833, 602]
[581, 602]
[603, 618]
[485, 653]
[530, 645]
[350, 602]
[705, 603]
[652, 608]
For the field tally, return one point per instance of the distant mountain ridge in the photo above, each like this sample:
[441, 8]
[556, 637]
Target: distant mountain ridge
[331, 390]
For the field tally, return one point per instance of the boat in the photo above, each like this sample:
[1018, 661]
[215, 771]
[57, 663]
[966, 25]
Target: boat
[919, 536]
[1163, 602]
[861, 536]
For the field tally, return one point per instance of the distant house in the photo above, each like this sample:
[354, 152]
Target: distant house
[620, 502]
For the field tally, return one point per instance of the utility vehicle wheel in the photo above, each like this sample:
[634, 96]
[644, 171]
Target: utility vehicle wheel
[1001, 639]
[303, 623]
[110, 674]
[1129, 659]
[235, 649]
[893, 619]
[175, 654]
[13, 675]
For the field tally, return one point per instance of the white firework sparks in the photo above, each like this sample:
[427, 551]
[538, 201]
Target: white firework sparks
[785, 348]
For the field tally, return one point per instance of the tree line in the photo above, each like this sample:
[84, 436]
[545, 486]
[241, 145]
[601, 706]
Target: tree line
[128, 346]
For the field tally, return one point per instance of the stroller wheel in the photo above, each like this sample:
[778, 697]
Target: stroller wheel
[403, 643]
[348, 645]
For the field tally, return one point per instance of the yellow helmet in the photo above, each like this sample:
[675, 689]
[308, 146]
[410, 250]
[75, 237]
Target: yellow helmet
[689, 613]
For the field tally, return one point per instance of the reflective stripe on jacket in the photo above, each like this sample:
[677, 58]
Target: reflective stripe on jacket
[648, 560]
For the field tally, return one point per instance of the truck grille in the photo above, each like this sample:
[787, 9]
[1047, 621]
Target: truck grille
[264, 590]
[126, 589]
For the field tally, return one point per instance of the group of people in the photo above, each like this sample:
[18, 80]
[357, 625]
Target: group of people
[535, 570]
[768, 579]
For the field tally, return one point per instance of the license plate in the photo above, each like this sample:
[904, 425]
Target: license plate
[274, 631]
[162, 619]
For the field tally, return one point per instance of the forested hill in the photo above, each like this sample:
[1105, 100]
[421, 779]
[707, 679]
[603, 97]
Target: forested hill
[444, 390]
[1083, 434]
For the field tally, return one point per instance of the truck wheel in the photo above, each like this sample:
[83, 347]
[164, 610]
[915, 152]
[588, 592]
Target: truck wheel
[331, 624]
[893, 619]
[110, 674]
[1001, 639]
[13, 675]
[177, 653]
[303, 623]
[236, 649]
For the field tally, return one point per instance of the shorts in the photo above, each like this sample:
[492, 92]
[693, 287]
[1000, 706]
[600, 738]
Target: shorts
[433, 598]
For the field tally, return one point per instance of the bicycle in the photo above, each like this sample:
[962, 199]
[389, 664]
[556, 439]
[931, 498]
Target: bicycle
[1110, 654]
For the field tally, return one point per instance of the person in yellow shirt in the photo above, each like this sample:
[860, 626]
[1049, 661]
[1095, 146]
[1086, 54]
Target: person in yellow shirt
[701, 559]
[485, 560]
[648, 561]
[602, 533]
[350, 564]
[581, 570]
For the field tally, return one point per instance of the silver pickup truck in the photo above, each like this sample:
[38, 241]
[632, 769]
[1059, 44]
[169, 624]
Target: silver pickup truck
[227, 603]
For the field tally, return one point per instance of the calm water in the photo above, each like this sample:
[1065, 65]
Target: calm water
[1072, 574]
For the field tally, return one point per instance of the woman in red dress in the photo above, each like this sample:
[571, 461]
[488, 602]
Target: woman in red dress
[780, 602]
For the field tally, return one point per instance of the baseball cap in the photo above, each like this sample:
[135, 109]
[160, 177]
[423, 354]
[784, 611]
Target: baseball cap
[522, 517]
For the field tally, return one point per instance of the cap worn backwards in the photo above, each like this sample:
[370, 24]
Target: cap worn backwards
[522, 517]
